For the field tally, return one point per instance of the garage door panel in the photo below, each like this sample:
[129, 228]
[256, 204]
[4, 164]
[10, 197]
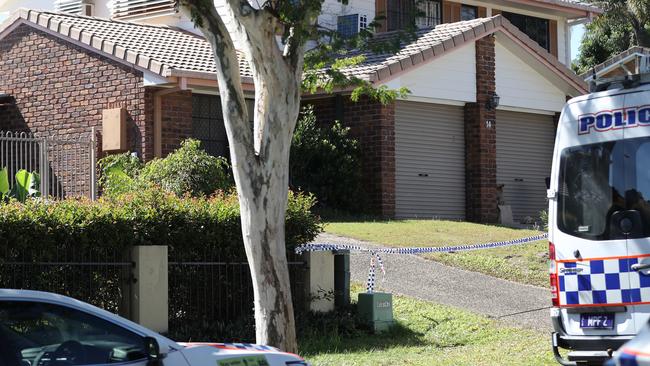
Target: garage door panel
[524, 154]
[429, 140]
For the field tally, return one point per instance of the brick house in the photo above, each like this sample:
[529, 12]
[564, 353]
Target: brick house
[442, 152]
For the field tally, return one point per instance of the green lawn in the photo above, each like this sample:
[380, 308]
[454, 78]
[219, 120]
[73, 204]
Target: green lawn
[526, 263]
[430, 334]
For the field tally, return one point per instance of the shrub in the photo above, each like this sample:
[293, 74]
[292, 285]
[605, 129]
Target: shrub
[188, 170]
[118, 173]
[325, 161]
[149, 217]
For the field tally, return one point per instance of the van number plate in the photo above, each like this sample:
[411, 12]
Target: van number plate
[600, 321]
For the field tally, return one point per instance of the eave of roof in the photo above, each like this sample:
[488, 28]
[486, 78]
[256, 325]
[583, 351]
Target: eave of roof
[581, 6]
[612, 62]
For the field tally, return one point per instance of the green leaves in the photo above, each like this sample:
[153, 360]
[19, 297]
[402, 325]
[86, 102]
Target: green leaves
[26, 185]
[4, 183]
[148, 217]
[188, 170]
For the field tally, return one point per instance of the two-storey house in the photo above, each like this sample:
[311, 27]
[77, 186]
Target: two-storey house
[487, 82]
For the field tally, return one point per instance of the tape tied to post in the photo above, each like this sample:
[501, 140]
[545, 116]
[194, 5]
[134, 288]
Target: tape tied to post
[375, 258]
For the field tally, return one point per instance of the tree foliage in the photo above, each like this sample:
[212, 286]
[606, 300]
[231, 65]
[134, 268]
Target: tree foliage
[325, 161]
[623, 25]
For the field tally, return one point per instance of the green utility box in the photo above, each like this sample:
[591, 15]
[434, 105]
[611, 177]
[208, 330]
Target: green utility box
[377, 310]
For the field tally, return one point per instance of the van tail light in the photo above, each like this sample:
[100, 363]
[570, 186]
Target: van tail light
[555, 290]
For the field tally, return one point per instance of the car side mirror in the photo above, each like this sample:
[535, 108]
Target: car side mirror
[152, 350]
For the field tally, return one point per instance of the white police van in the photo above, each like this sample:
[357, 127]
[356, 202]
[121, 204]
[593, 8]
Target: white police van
[599, 221]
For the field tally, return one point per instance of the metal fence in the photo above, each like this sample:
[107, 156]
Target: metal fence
[66, 166]
[211, 296]
[100, 276]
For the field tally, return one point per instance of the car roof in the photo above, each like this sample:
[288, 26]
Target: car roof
[52, 298]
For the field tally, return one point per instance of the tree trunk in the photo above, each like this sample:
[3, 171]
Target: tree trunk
[262, 184]
[260, 153]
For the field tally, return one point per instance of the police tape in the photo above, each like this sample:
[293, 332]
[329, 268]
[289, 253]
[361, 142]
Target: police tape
[375, 258]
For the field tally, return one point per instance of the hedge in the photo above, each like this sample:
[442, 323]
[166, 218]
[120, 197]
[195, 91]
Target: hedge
[151, 217]
[205, 302]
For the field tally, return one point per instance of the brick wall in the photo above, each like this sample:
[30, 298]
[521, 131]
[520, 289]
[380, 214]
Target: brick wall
[176, 111]
[61, 89]
[480, 140]
[373, 124]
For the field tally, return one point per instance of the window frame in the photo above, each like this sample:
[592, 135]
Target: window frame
[471, 7]
[547, 22]
[399, 12]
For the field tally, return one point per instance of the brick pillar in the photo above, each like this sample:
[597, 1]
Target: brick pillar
[480, 141]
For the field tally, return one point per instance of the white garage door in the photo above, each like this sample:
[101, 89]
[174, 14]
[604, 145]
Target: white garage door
[430, 161]
[524, 153]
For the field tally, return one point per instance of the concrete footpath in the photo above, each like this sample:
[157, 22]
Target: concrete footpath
[411, 275]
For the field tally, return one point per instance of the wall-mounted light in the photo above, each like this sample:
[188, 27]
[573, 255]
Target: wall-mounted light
[492, 102]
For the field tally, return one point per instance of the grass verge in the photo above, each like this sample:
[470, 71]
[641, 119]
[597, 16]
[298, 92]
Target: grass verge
[424, 334]
[526, 263]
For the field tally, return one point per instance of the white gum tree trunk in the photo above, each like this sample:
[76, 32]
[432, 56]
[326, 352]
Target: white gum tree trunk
[259, 153]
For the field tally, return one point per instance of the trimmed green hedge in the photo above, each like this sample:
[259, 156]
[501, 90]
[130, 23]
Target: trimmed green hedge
[150, 217]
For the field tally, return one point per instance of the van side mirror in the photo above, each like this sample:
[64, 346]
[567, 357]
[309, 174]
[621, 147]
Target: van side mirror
[152, 350]
[548, 182]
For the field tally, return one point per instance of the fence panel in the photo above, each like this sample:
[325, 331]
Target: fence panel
[211, 297]
[102, 277]
[66, 166]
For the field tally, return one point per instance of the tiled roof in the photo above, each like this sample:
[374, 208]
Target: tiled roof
[172, 52]
[443, 38]
[159, 49]
[636, 50]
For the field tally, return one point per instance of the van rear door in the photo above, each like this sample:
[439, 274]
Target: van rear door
[636, 218]
[592, 266]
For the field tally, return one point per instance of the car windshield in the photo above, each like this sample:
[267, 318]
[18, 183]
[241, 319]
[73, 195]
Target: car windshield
[38, 334]
[599, 181]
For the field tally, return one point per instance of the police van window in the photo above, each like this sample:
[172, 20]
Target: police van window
[598, 180]
[639, 199]
[35, 333]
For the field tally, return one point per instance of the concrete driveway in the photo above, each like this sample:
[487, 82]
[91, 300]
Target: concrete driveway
[411, 275]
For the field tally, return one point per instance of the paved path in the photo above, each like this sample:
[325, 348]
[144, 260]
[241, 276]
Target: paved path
[517, 304]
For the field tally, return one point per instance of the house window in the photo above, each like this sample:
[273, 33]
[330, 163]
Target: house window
[139, 9]
[348, 25]
[468, 12]
[401, 14]
[535, 28]
[80, 7]
[207, 124]
[430, 14]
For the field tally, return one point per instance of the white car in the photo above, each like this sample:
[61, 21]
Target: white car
[45, 329]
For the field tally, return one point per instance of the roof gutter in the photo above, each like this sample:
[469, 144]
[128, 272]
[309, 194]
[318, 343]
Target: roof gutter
[188, 74]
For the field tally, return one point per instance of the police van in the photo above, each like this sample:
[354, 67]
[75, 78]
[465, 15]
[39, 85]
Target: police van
[599, 221]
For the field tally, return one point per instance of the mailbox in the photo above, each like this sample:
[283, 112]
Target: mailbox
[114, 129]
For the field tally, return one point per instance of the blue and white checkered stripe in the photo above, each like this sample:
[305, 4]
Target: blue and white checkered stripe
[602, 281]
[320, 247]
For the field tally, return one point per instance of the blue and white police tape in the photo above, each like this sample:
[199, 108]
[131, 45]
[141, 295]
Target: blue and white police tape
[320, 247]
